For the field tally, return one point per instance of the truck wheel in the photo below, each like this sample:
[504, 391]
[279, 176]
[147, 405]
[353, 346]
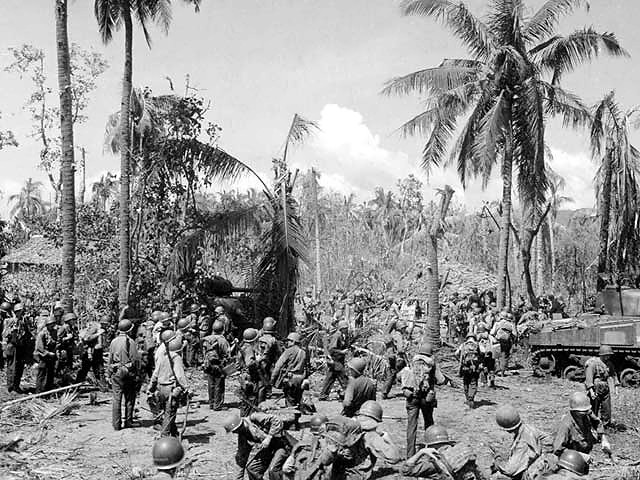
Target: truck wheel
[630, 378]
[547, 364]
[571, 373]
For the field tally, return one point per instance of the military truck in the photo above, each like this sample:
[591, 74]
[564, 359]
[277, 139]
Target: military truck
[562, 345]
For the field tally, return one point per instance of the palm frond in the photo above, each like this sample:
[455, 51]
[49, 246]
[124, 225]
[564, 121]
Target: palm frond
[490, 134]
[300, 129]
[431, 80]
[560, 102]
[107, 14]
[544, 22]
[601, 112]
[473, 32]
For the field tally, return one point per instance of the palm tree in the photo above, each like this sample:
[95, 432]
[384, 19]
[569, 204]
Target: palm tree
[28, 203]
[616, 185]
[104, 189]
[501, 95]
[68, 171]
[111, 14]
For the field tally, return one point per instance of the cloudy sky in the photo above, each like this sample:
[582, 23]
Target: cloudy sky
[261, 61]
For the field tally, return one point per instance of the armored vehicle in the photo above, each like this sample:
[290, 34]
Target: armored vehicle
[562, 345]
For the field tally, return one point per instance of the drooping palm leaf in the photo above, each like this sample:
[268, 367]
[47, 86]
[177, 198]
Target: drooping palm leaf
[544, 22]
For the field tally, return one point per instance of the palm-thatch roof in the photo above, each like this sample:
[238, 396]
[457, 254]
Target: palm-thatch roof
[36, 251]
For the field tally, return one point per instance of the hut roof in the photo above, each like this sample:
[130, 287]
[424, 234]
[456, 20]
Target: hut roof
[36, 251]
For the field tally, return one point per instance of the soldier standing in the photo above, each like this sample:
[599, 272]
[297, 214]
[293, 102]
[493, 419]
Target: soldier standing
[6, 309]
[396, 361]
[290, 370]
[67, 336]
[268, 352]
[262, 444]
[504, 332]
[17, 340]
[45, 355]
[598, 371]
[249, 382]
[338, 349]
[469, 357]
[360, 388]
[309, 307]
[124, 360]
[171, 383]
[92, 339]
[146, 345]
[216, 355]
[190, 336]
[419, 388]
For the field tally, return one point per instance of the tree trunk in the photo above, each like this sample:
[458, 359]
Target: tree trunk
[432, 334]
[316, 224]
[66, 130]
[552, 254]
[125, 159]
[83, 177]
[604, 208]
[540, 262]
[505, 221]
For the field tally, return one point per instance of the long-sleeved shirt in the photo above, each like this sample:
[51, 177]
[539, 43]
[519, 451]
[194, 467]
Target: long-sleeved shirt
[337, 344]
[45, 344]
[381, 447]
[527, 446]
[597, 371]
[506, 326]
[358, 391]
[122, 351]
[430, 462]
[572, 436]
[216, 348]
[293, 360]
[422, 387]
[163, 374]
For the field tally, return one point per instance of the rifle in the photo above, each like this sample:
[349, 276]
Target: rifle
[186, 415]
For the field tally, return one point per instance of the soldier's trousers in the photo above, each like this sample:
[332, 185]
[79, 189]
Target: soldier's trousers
[91, 360]
[15, 362]
[396, 364]
[505, 353]
[122, 388]
[267, 461]
[601, 402]
[216, 385]
[470, 385]
[334, 372]
[292, 393]
[414, 408]
[45, 375]
[170, 408]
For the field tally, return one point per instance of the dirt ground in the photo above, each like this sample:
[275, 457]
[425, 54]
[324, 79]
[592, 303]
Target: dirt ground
[82, 444]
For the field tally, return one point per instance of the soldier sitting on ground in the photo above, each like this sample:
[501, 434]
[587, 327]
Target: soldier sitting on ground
[168, 455]
[379, 443]
[571, 466]
[359, 389]
[580, 430]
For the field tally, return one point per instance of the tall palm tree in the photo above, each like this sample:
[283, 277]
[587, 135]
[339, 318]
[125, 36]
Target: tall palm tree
[104, 189]
[111, 15]
[68, 171]
[500, 93]
[616, 184]
[28, 203]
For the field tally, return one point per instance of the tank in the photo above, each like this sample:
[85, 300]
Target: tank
[563, 345]
[218, 290]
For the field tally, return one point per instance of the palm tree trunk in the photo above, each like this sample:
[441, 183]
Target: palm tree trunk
[604, 207]
[505, 221]
[125, 159]
[540, 261]
[66, 128]
[552, 254]
[83, 178]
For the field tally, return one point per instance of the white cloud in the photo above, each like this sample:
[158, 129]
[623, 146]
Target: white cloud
[578, 171]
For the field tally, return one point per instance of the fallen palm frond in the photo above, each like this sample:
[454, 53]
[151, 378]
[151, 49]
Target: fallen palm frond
[45, 411]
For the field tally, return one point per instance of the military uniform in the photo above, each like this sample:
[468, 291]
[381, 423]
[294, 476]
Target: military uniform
[192, 342]
[352, 461]
[253, 431]
[335, 367]
[304, 459]
[381, 447]
[455, 462]
[66, 346]
[469, 357]
[146, 346]
[358, 391]
[249, 382]
[268, 353]
[17, 340]
[597, 374]
[124, 361]
[45, 356]
[396, 361]
[216, 354]
[504, 332]
[289, 372]
[171, 384]
[525, 455]
[574, 436]
[92, 348]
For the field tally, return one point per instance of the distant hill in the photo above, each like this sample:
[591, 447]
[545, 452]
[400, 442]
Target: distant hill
[565, 216]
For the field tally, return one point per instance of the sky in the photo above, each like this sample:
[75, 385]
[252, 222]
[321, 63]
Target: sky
[261, 61]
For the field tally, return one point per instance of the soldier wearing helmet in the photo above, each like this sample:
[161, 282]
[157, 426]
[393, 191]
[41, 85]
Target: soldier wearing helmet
[360, 388]
[306, 452]
[216, 356]
[527, 448]
[338, 348]
[45, 355]
[187, 326]
[571, 466]
[171, 384]
[598, 371]
[269, 350]
[265, 432]
[168, 454]
[92, 342]
[250, 381]
[579, 430]
[67, 340]
[17, 341]
[123, 364]
[291, 370]
[469, 358]
[504, 331]
[441, 455]
[378, 443]
[419, 380]
[396, 358]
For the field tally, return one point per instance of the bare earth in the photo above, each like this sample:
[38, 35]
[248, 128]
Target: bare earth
[82, 444]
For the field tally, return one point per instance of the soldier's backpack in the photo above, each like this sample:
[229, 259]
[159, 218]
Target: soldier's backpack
[504, 333]
[469, 358]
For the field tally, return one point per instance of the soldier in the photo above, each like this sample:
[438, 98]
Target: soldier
[598, 371]
[249, 382]
[291, 370]
[93, 340]
[45, 355]
[440, 456]
[124, 361]
[190, 336]
[171, 383]
[162, 322]
[379, 443]
[469, 358]
[579, 430]
[360, 388]
[168, 455]
[528, 446]
[346, 451]
[419, 388]
[216, 355]
[268, 352]
[338, 349]
[306, 452]
[504, 332]
[266, 433]
[146, 345]
[5, 312]
[67, 336]
[571, 466]
[396, 361]
[309, 307]
[17, 341]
